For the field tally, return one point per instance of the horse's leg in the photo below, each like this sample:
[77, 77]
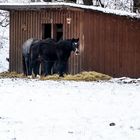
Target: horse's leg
[61, 68]
[42, 65]
[24, 65]
[66, 68]
[29, 66]
[36, 68]
[48, 67]
[55, 67]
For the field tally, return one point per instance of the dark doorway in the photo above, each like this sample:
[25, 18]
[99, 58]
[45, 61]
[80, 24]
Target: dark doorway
[54, 31]
[59, 31]
[46, 31]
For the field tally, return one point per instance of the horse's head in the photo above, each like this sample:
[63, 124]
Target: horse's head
[75, 45]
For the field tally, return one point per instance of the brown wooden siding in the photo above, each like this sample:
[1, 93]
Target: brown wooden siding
[108, 43]
[26, 24]
[112, 44]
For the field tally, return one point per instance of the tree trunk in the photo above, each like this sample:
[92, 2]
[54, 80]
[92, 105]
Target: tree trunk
[74, 1]
[47, 0]
[35, 0]
[102, 5]
[88, 2]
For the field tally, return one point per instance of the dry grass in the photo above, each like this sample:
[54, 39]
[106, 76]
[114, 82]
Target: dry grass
[11, 75]
[83, 76]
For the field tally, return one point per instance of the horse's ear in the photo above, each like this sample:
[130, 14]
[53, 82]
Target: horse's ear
[77, 39]
[73, 39]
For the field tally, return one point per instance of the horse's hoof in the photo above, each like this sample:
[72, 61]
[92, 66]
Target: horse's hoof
[29, 76]
[37, 76]
[61, 75]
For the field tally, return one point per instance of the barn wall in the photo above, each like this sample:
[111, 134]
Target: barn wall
[111, 44]
[26, 24]
[108, 43]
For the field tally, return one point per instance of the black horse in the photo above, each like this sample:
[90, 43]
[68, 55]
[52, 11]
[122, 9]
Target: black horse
[63, 51]
[51, 53]
[39, 55]
[26, 61]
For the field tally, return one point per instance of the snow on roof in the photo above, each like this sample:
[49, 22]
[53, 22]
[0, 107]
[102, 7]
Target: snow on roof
[45, 5]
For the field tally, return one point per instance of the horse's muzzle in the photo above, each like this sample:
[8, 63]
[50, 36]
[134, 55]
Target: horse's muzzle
[77, 51]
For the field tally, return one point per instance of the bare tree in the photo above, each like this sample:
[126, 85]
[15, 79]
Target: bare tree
[4, 21]
[73, 1]
[136, 6]
[100, 3]
[35, 0]
[88, 2]
[47, 0]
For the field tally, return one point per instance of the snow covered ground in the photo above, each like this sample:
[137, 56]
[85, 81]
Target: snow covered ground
[61, 110]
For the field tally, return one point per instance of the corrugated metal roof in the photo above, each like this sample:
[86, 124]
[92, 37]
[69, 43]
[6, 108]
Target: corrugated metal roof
[36, 6]
[56, 5]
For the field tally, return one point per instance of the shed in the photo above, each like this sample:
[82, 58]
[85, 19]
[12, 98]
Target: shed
[109, 40]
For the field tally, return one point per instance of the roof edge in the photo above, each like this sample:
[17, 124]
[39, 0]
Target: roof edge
[45, 5]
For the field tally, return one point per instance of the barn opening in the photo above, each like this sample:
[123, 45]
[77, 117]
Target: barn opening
[58, 28]
[52, 31]
[46, 31]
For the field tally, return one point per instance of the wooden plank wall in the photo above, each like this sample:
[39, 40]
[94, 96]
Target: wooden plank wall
[111, 44]
[26, 24]
[108, 43]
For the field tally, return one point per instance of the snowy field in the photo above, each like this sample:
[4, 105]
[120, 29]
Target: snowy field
[63, 110]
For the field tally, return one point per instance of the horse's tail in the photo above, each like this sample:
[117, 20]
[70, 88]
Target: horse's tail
[25, 51]
[34, 54]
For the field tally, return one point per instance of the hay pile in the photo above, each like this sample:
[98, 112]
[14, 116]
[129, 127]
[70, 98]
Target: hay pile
[83, 76]
[11, 75]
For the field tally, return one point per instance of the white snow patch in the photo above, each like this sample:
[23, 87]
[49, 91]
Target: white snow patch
[4, 48]
[41, 110]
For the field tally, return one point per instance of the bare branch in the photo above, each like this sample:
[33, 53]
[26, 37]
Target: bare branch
[4, 19]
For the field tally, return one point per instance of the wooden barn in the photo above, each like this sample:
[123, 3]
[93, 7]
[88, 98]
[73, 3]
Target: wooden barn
[109, 42]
